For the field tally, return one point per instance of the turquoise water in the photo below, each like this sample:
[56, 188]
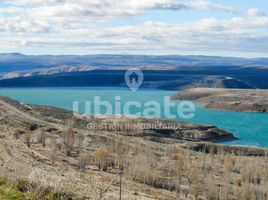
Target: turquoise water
[251, 128]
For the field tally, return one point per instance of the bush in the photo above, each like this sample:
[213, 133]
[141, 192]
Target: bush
[60, 195]
[12, 194]
[23, 185]
[3, 181]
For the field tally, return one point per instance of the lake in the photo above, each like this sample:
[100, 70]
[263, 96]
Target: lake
[251, 128]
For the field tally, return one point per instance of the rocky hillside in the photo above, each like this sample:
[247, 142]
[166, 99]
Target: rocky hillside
[47, 153]
[157, 128]
[217, 82]
[227, 99]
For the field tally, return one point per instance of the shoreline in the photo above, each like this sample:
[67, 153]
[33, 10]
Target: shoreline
[39, 110]
[238, 100]
[240, 135]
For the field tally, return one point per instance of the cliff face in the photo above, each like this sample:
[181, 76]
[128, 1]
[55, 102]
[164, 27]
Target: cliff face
[241, 100]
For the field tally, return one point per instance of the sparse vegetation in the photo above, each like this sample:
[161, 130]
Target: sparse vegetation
[43, 137]
[69, 141]
[28, 139]
[86, 165]
[24, 190]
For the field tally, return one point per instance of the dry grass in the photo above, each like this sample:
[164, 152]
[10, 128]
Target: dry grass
[83, 164]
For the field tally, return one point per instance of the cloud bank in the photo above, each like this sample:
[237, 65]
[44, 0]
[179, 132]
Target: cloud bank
[77, 24]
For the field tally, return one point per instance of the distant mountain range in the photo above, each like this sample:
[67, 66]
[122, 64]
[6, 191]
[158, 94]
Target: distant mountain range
[19, 62]
[161, 72]
[153, 79]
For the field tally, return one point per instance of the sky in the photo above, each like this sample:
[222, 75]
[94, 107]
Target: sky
[237, 28]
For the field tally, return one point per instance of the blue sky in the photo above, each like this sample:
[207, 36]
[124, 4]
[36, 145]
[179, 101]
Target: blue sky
[186, 27]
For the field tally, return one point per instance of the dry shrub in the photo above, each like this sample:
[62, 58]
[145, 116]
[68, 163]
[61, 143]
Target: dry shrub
[101, 158]
[121, 149]
[83, 162]
[28, 139]
[212, 190]
[179, 165]
[54, 151]
[80, 140]
[43, 137]
[69, 141]
[99, 188]
[251, 173]
[141, 169]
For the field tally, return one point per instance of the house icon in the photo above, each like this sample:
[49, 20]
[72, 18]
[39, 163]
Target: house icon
[133, 78]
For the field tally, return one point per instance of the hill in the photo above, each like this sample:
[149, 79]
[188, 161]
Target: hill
[19, 62]
[47, 153]
[153, 79]
[227, 99]
[161, 72]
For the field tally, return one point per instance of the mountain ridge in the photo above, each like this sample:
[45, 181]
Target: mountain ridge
[18, 62]
[19, 70]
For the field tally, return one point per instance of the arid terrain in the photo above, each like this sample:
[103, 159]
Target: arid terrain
[49, 153]
[227, 99]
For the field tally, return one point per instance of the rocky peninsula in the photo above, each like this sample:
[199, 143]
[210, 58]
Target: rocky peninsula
[242, 100]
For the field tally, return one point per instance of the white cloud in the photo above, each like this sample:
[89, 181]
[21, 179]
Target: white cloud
[52, 15]
[153, 4]
[31, 2]
[19, 26]
[207, 5]
[74, 24]
[37, 16]
[11, 11]
[237, 34]
[106, 10]
[111, 9]
[255, 12]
